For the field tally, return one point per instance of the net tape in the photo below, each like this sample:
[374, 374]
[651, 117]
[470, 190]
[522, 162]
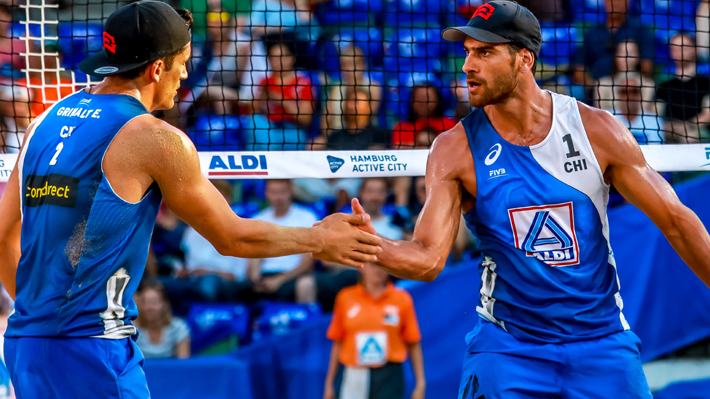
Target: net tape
[282, 75]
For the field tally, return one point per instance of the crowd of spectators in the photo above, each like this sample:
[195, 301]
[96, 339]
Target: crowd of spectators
[283, 76]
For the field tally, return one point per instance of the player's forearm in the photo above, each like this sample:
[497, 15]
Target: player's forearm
[410, 260]
[259, 239]
[691, 241]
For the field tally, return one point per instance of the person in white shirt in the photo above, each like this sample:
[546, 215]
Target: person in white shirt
[323, 286]
[160, 333]
[208, 276]
[643, 124]
[275, 278]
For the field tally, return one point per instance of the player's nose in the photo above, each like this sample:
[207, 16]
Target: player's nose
[470, 65]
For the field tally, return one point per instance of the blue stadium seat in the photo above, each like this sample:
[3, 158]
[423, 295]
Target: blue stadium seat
[589, 11]
[213, 323]
[558, 44]
[348, 12]
[281, 317]
[415, 50]
[19, 30]
[416, 13]
[217, 133]
[77, 40]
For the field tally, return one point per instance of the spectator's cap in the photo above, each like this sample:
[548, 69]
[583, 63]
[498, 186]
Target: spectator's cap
[500, 22]
[135, 35]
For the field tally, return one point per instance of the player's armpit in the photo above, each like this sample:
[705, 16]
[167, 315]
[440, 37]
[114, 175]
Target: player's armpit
[171, 160]
[625, 167]
[425, 256]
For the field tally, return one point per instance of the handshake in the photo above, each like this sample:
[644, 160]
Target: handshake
[348, 239]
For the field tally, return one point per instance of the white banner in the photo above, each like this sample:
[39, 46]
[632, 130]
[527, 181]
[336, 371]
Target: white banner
[7, 162]
[337, 164]
[317, 164]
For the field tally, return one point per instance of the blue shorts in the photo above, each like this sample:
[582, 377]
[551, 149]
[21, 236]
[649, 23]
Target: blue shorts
[73, 368]
[497, 365]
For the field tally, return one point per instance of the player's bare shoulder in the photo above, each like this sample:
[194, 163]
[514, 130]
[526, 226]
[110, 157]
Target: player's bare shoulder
[450, 158]
[611, 140]
[143, 151]
[451, 152]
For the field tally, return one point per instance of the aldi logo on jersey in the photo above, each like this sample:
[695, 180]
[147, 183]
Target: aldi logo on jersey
[547, 233]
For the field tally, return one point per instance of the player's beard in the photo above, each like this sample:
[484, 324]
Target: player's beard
[500, 89]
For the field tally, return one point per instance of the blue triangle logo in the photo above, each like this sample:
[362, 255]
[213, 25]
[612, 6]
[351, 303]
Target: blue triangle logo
[335, 163]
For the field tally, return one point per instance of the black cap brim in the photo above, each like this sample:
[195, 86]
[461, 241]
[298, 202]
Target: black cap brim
[460, 33]
[98, 65]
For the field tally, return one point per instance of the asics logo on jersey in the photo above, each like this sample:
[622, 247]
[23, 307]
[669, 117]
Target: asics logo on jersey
[493, 155]
[546, 233]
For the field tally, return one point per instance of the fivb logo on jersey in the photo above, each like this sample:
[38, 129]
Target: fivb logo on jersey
[547, 233]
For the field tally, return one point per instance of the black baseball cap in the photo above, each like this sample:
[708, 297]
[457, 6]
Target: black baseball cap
[500, 22]
[135, 35]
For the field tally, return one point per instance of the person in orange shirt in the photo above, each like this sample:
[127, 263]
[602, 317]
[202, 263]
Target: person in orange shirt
[374, 328]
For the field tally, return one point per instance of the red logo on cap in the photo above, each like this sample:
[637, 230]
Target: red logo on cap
[109, 43]
[484, 11]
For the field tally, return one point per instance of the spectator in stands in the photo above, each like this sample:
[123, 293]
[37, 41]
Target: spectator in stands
[646, 126]
[10, 48]
[276, 16]
[626, 67]
[275, 278]
[358, 133]
[160, 333]
[353, 75]
[373, 196]
[285, 104]
[224, 58]
[15, 115]
[426, 109]
[686, 95]
[595, 54]
[207, 276]
[167, 235]
[374, 328]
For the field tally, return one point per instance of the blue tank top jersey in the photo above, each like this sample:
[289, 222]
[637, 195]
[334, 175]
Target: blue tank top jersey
[84, 249]
[548, 272]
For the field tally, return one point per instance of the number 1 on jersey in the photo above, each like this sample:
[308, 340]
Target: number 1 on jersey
[60, 147]
[567, 138]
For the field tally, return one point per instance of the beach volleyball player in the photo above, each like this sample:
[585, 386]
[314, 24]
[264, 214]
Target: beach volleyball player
[531, 170]
[81, 203]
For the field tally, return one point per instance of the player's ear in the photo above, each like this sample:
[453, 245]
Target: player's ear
[155, 69]
[527, 61]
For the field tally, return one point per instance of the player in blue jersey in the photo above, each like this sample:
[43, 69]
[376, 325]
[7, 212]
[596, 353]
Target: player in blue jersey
[78, 213]
[531, 172]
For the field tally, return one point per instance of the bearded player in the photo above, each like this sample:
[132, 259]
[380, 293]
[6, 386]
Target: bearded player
[531, 171]
[80, 207]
